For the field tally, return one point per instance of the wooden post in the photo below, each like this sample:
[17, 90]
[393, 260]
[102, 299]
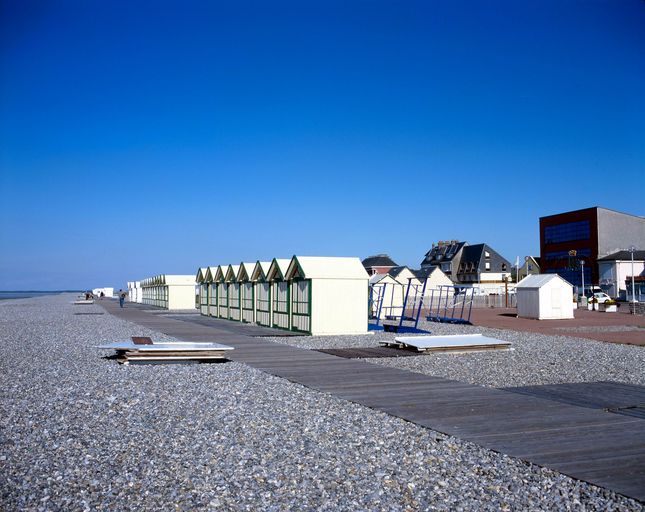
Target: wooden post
[506, 291]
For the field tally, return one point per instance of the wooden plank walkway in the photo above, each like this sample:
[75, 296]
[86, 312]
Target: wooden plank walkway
[586, 443]
[597, 395]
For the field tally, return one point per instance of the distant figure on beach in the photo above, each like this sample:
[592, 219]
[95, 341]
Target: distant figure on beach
[102, 295]
[121, 298]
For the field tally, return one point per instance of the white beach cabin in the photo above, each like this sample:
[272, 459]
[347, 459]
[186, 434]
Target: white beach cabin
[280, 293]
[262, 292]
[544, 297]
[247, 295]
[107, 292]
[385, 295]
[170, 291]
[328, 295]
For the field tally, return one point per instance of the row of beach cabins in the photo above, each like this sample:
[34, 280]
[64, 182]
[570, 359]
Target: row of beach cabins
[305, 294]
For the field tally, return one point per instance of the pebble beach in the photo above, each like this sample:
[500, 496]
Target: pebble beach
[80, 432]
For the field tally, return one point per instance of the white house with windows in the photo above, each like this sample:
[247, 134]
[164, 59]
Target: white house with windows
[616, 271]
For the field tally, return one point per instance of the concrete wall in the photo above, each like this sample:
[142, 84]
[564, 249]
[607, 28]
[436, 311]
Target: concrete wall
[618, 231]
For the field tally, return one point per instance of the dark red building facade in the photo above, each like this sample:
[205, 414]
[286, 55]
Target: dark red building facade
[566, 240]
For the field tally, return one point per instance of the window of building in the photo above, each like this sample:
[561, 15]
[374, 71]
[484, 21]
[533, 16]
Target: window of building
[567, 232]
[486, 254]
[504, 267]
[488, 265]
[556, 255]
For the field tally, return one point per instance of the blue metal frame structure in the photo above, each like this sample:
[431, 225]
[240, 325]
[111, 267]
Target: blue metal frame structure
[456, 299]
[379, 300]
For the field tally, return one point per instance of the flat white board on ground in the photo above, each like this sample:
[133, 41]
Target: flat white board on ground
[183, 346]
[452, 342]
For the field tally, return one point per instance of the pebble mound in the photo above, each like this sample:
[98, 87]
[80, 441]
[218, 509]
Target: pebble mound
[80, 432]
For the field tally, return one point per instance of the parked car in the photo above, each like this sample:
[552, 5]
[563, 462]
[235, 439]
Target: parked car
[601, 297]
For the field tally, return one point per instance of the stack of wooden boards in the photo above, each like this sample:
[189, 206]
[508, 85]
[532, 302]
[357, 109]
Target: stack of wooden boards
[142, 349]
[449, 343]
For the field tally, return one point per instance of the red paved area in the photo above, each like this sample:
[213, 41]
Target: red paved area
[503, 318]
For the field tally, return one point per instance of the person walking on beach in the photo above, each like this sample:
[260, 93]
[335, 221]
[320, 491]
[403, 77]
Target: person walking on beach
[121, 298]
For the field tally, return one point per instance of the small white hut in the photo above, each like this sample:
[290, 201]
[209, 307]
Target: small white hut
[404, 275]
[386, 295]
[328, 295]
[107, 291]
[134, 291]
[435, 277]
[169, 291]
[544, 297]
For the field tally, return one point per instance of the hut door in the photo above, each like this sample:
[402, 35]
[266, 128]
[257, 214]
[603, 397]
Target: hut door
[247, 302]
[281, 304]
[234, 301]
[301, 305]
[222, 301]
[263, 305]
[203, 299]
[212, 300]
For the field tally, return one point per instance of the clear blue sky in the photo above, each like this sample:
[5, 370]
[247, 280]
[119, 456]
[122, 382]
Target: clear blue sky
[139, 138]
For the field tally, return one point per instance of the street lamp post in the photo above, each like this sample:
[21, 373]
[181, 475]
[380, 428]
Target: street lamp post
[582, 272]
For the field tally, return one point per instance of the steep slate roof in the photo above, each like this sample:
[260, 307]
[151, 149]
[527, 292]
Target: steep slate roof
[624, 256]
[377, 278]
[475, 254]
[472, 253]
[379, 260]
[395, 271]
[442, 252]
[424, 273]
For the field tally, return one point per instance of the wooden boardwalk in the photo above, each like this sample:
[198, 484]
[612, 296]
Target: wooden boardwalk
[586, 443]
